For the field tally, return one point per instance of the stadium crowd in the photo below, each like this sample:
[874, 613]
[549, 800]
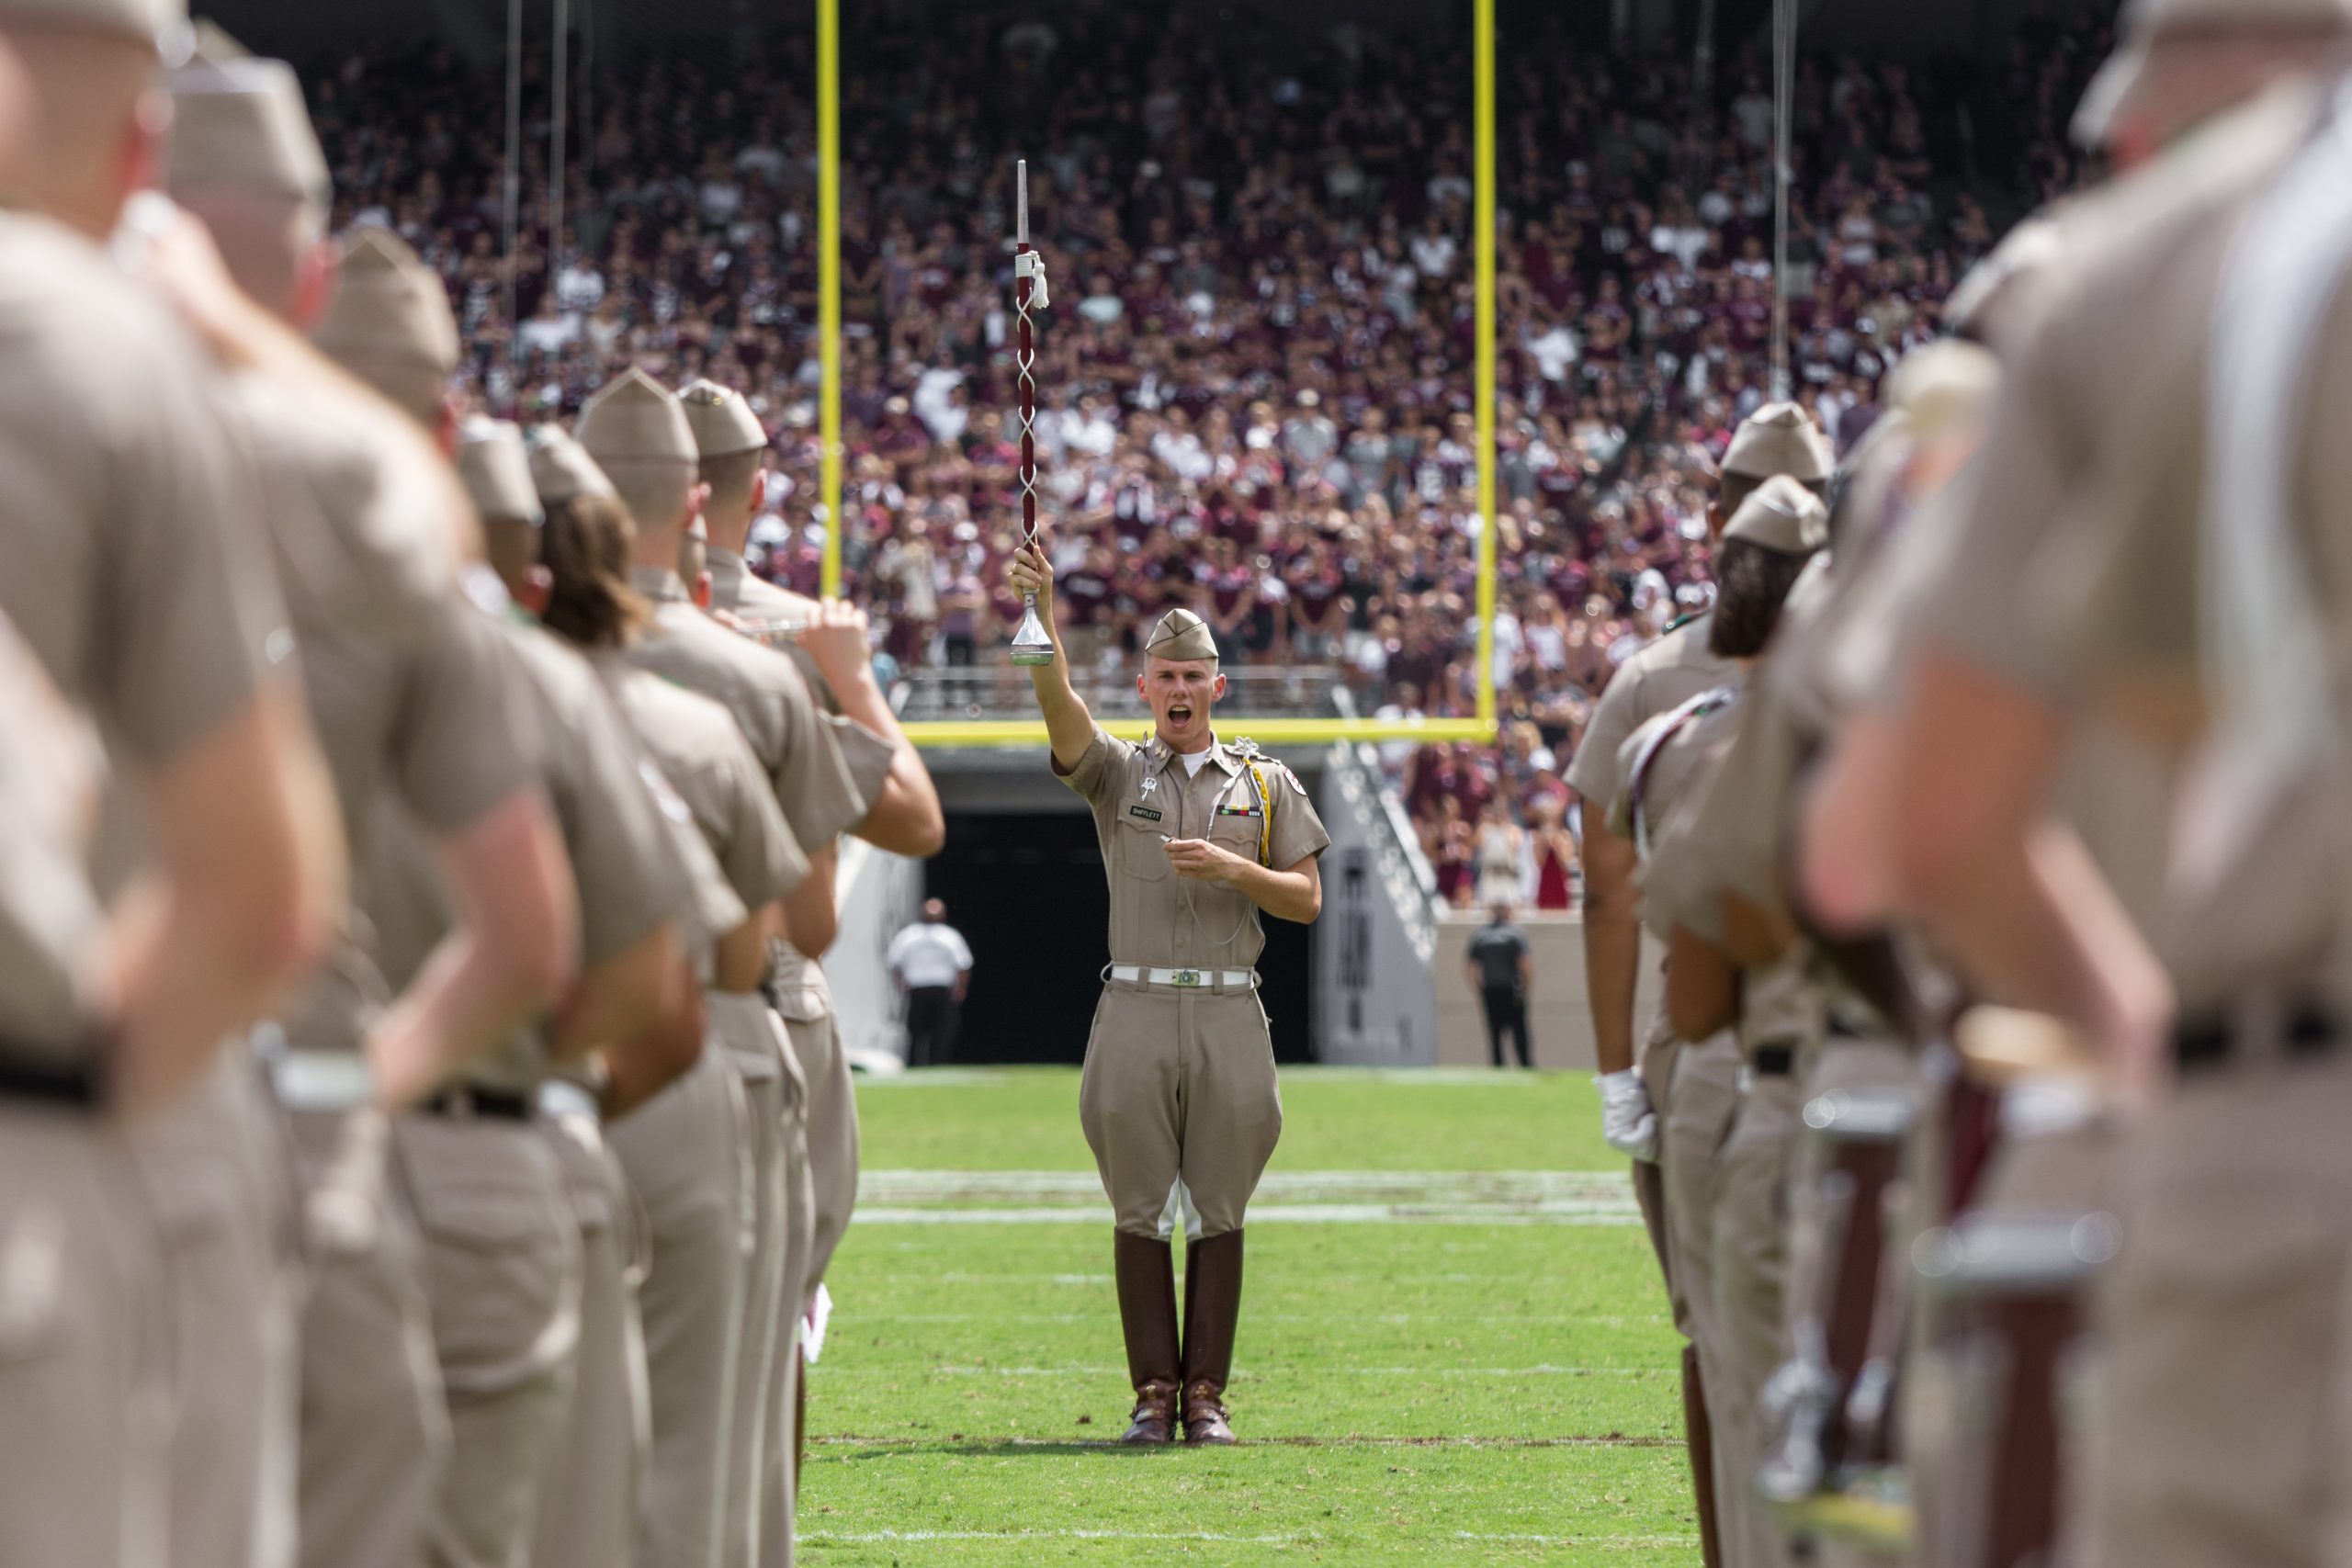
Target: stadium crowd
[1256, 394]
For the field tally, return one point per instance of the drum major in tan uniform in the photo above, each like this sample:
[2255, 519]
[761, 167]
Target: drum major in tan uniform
[1179, 1099]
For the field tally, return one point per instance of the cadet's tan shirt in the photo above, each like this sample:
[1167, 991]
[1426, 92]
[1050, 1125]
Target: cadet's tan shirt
[51, 921]
[706, 761]
[1658, 679]
[411, 682]
[1141, 799]
[734, 587]
[626, 832]
[130, 561]
[1648, 798]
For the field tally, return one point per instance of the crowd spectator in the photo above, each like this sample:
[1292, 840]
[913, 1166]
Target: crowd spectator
[1256, 384]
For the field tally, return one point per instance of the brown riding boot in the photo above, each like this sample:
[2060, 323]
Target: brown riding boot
[1146, 1271]
[1212, 1312]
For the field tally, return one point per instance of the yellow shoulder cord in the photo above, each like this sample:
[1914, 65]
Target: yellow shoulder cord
[1265, 815]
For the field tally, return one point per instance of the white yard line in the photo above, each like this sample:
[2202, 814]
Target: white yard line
[1308, 1197]
[1274, 1214]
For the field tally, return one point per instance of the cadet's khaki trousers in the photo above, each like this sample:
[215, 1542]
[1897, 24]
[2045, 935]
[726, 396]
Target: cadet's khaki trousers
[1750, 1275]
[501, 1252]
[217, 1171]
[832, 1140]
[1691, 1123]
[2225, 1323]
[375, 1434]
[84, 1401]
[588, 1516]
[779, 1485]
[754, 1037]
[683, 1152]
[1180, 1086]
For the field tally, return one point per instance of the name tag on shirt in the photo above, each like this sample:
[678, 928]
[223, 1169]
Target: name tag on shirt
[1146, 812]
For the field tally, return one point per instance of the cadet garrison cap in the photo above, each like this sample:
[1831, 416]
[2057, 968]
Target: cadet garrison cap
[1782, 516]
[1779, 438]
[240, 121]
[2134, 68]
[390, 324]
[722, 422]
[561, 468]
[145, 21]
[1181, 634]
[497, 471]
[1941, 386]
[635, 419]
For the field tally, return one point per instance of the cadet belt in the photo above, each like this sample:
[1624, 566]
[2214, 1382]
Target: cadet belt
[465, 1103]
[1774, 1061]
[76, 1081]
[1183, 979]
[2300, 1029]
[561, 1096]
[320, 1080]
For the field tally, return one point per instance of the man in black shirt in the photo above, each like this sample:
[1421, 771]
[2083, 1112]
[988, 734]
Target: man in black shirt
[1499, 969]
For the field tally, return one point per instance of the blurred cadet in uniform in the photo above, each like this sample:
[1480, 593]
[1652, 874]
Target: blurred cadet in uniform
[1180, 1099]
[588, 1507]
[410, 686]
[638, 434]
[132, 569]
[1764, 996]
[903, 818]
[932, 964]
[588, 542]
[1672, 1144]
[488, 1182]
[2190, 583]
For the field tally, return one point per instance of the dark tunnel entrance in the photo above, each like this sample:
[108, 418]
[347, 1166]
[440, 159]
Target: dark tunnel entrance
[1026, 890]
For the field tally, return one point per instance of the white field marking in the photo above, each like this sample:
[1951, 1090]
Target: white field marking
[1394, 1319]
[1267, 1214]
[843, 1440]
[1431, 1077]
[1508, 1189]
[945, 1370]
[1605, 1543]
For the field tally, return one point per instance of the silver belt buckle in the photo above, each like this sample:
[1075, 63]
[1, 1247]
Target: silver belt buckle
[1186, 977]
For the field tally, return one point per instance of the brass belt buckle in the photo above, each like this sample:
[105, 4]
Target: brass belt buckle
[1187, 977]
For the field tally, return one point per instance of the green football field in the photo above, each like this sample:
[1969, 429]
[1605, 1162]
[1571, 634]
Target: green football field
[1454, 1348]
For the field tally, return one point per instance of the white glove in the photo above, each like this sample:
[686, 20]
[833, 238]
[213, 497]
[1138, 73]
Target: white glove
[1626, 1120]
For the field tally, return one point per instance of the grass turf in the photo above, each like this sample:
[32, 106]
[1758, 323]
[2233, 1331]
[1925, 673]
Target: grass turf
[1423, 1393]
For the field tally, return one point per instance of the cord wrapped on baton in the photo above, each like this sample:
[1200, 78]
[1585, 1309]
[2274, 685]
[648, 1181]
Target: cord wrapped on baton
[1031, 645]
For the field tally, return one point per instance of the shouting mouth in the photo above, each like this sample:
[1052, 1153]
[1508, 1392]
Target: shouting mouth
[1179, 713]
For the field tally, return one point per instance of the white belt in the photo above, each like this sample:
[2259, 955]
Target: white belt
[322, 1080]
[1187, 980]
[561, 1096]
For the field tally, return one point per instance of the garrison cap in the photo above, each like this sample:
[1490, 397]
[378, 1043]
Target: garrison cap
[1181, 634]
[1942, 386]
[390, 323]
[144, 21]
[2131, 70]
[722, 420]
[497, 471]
[1782, 516]
[634, 418]
[1779, 438]
[561, 468]
[240, 121]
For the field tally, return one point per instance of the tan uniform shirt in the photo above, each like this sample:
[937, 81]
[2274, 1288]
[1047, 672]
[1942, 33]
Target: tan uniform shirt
[634, 857]
[1142, 799]
[51, 921]
[130, 562]
[706, 761]
[1661, 768]
[802, 756]
[1658, 679]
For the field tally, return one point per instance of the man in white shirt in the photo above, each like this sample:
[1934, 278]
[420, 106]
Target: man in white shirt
[935, 967]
